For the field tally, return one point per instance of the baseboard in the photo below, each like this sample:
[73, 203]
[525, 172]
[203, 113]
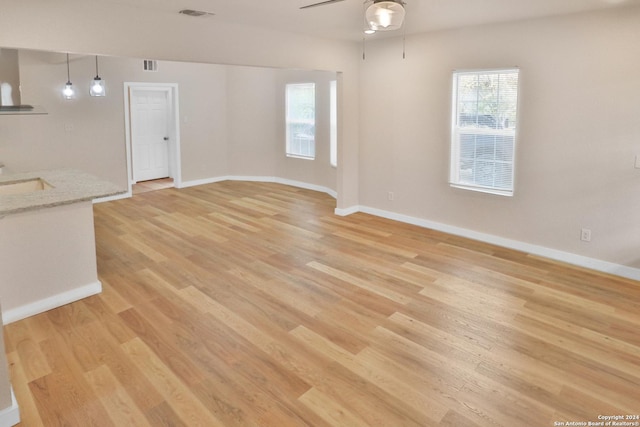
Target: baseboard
[55, 301]
[307, 186]
[194, 183]
[346, 211]
[277, 180]
[554, 254]
[10, 416]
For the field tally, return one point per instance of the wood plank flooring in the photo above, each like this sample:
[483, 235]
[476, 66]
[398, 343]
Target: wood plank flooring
[251, 304]
[152, 185]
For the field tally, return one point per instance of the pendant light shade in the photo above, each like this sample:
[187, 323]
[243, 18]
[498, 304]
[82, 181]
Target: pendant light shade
[385, 15]
[97, 84]
[97, 87]
[68, 92]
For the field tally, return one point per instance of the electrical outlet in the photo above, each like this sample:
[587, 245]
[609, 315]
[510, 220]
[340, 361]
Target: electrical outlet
[390, 195]
[585, 235]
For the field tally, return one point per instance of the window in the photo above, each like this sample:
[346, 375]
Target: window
[333, 118]
[483, 133]
[301, 120]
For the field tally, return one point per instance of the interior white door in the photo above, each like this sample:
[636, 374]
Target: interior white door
[150, 134]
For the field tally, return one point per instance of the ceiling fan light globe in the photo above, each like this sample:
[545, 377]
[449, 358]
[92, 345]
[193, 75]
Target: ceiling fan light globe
[385, 15]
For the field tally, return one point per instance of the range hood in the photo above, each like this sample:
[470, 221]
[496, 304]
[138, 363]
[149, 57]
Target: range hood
[10, 99]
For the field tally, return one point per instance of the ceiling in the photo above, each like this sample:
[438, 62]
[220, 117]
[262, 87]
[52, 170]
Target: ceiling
[344, 20]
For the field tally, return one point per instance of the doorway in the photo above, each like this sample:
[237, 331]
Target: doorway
[152, 132]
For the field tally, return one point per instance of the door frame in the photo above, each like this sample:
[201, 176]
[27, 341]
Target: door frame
[171, 89]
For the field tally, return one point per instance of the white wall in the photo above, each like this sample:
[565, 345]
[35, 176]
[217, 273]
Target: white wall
[231, 119]
[253, 126]
[256, 106]
[73, 133]
[319, 171]
[47, 259]
[579, 131]
[65, 25]
[88, 133]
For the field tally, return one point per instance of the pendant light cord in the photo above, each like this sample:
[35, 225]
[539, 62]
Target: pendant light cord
[404, 38]
[364, 19]
[404, 44]
[363, 49]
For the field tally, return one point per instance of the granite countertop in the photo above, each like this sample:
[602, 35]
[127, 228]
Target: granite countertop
[69, 186]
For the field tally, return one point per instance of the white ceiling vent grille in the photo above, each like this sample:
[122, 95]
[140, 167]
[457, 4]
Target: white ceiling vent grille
[150, 65]
[196, 13]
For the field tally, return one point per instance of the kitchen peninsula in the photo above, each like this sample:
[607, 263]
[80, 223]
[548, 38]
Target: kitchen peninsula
[47, 244]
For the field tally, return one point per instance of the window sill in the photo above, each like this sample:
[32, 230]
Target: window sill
[294, 156]
[505, 193]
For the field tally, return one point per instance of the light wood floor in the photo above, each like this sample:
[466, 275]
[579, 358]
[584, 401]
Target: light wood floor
[249, 304]
[152, 185]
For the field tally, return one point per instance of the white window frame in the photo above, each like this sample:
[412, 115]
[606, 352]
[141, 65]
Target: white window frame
[294, 143]
[333, 123]
[455, 179]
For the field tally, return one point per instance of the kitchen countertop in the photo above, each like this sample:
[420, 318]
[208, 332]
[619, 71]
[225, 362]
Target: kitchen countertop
[69, 186]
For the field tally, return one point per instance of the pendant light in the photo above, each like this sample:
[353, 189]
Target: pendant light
[68, 92]
[97, 84]
[385, 15]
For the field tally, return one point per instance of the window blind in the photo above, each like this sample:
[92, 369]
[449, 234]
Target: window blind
[301, 120]
[483, 137]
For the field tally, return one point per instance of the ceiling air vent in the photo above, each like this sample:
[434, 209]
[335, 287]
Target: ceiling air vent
[196, 13]
[150, 65]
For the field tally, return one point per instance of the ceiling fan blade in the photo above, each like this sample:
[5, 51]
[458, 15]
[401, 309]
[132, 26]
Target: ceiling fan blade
[322, 3]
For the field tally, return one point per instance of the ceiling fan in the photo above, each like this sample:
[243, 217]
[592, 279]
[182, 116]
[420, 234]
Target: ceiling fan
[380, 15]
